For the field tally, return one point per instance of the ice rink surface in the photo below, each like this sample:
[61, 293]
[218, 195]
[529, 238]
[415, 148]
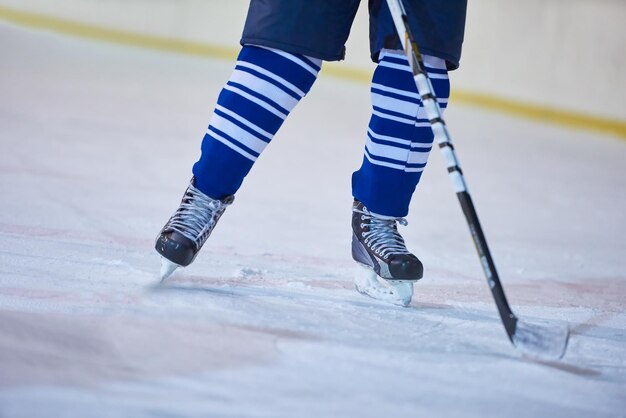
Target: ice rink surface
[97, 146]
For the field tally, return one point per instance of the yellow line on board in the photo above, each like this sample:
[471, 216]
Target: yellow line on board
[337, 70]
[569, 119]
[531, 111]
[84, 30]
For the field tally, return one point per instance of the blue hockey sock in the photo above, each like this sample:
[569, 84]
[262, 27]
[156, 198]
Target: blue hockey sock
[264, 87]
[399, 137]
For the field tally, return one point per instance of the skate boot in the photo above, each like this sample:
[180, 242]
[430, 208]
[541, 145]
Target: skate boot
[386, 270]
[187, 230]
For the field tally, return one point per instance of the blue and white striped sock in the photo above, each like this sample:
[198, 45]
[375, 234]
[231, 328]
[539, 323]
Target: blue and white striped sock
[399, 136]
[264, 87]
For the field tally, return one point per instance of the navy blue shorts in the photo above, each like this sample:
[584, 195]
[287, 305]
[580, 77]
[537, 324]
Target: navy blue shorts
[320, 28]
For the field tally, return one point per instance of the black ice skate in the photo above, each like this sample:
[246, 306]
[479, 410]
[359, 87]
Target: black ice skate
[185, 233]
[381, 253]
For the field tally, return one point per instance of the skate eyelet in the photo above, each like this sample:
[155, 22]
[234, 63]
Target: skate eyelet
[362, 217]
[362, 226]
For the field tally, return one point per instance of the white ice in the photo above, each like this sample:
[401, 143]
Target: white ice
[97, 145]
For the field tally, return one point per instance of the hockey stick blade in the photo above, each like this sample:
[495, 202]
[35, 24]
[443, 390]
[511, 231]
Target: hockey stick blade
[542, 342]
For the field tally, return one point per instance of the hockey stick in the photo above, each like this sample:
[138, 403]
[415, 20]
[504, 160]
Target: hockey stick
[541, 341]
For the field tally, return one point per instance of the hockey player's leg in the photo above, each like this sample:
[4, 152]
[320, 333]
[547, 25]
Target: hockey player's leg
[264, 87]
[399, 142]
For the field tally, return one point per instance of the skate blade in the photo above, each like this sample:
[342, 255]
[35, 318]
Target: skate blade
[368, 283]
[167, 268]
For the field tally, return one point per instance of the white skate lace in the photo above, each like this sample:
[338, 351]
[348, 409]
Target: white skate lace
[196, 216]
[383, 236]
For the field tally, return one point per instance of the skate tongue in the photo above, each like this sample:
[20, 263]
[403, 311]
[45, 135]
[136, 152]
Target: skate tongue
[540, 341]
[383, 217]
[401, 221]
